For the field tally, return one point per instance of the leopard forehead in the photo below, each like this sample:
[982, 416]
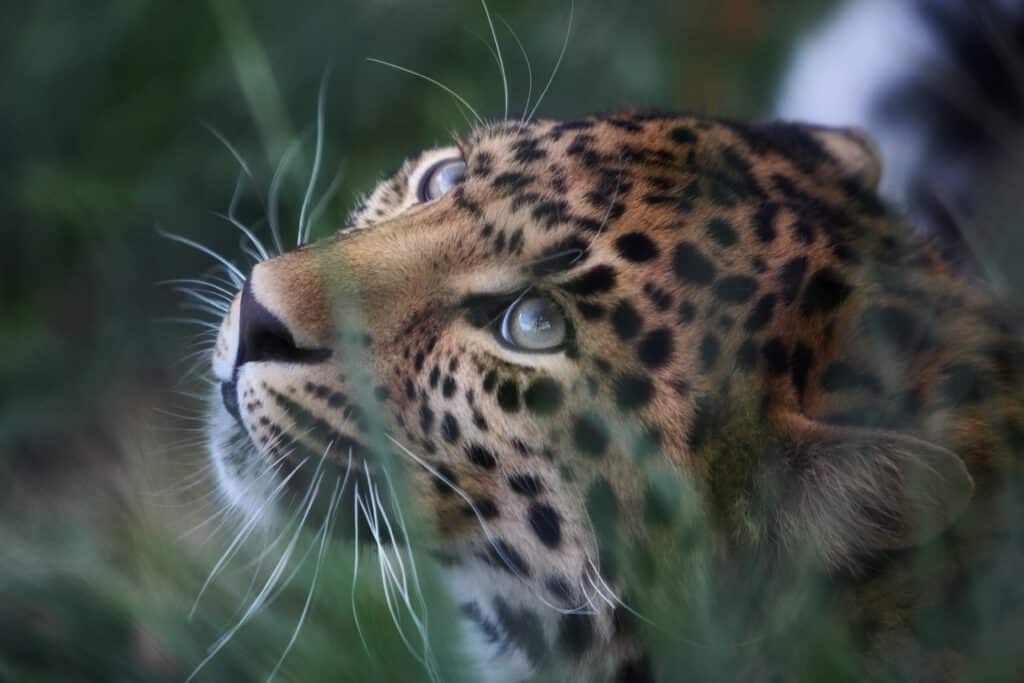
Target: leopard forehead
[548, 158]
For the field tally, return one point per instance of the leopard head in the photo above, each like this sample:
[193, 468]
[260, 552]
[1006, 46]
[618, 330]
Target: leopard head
[548, 323]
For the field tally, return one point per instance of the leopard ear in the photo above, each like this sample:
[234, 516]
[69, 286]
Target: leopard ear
[857, 491]
[854, 152]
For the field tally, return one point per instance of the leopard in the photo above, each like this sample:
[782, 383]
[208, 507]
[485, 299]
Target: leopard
[569, 335]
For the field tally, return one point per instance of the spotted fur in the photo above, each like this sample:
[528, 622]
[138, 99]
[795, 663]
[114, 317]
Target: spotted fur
[744, 313]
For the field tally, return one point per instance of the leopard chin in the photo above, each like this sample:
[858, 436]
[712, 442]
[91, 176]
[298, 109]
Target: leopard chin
[270, 490]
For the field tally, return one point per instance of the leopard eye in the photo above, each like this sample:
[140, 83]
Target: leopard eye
[441, 178]
[534, 323]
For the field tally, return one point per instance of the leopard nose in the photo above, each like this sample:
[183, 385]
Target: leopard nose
[279, 316]
[264, 337]
[261, 335]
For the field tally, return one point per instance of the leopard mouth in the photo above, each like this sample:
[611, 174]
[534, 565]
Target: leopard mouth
[309, 471]
[229, 397]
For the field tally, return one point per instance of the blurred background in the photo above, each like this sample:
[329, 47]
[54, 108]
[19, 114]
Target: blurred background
[107, 136]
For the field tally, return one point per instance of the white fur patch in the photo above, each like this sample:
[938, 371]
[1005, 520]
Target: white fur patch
[495, 662]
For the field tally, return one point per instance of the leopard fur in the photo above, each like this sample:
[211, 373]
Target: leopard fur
[745, 317]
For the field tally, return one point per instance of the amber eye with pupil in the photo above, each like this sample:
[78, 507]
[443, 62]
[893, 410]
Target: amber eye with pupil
[534, 324]
[440, 179]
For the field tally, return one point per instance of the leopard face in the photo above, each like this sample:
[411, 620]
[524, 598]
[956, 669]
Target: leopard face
[523, 318]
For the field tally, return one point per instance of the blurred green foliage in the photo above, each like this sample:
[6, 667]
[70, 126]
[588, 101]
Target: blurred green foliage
[103, 114]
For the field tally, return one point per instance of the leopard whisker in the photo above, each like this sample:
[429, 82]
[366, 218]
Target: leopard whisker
[273, 468]
[223, 513]
[274, 194]
[202, 304]
[357, 506]
[224, 298]
[187, 321]
[558, 62]
[194, 366]
[607, 590]
[529, 67]
[302, 560]
[264, 255]
[192, 395]
[243, 534]
[519, 298]
[202, 341]
[597, 589]
[326, 197]
[199, 476]
[389, 602]
[494, 55]
[227, 145]
[484, 42]
[387, 574]
[200, 307]
[419, 622]
[252, 254]
[246, 172]
[188, 445]
[263, 531]
[303, 229]
[268, 548]
[459, 98]
[578, 253]
[226, 280]
[396, 504]
[184, 412]
[201, 286]
[229, 295]
[238, 277]
[378, 509]
[588, 598]
[282, 563]
[252, 581]
[371, 513]
[217, 306]
[399, 583]
[198, 371]
[198, 417]
[174, 491]
[682, 638]
[501, 60]
[236, 195]
[182, 445]
[196, 363]
[200, 505]
[324, 538]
